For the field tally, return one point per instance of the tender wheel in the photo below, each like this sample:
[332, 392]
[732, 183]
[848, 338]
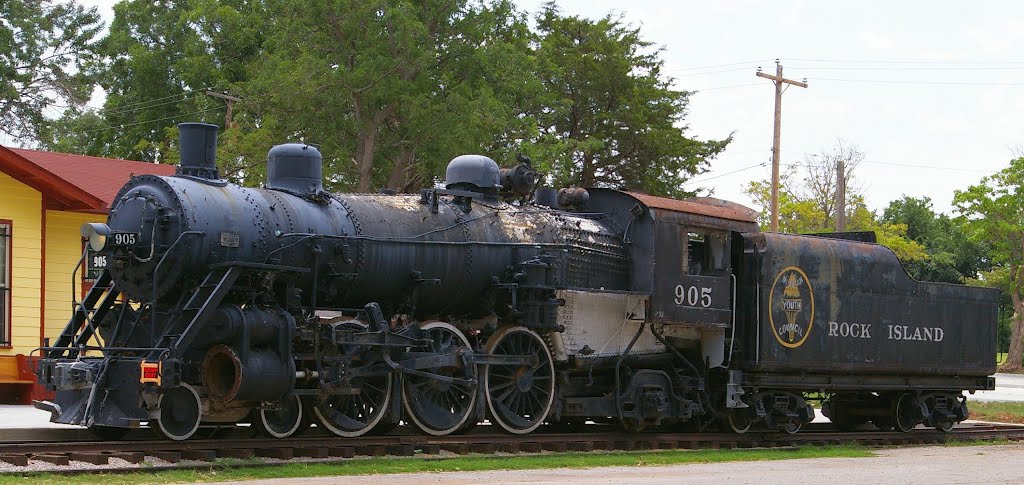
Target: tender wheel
[434, 404]
[792, 427]
[180, 413]
[906, 414]
[945, 426]
[740, 422]
[519, 397]
[351, 415]
[284, 420]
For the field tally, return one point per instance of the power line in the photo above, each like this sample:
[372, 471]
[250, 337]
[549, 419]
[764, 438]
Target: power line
[894, 164]
[704, 73]
[909, 68]
[936, 83]
[146, 104]
[755, 62]
[149, 121]
[905, 61]
[688, 182]
[728, 86]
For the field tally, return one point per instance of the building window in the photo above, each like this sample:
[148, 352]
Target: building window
[5, 284]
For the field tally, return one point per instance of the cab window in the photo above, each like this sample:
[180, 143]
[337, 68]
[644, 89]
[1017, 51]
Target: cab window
[706, 252]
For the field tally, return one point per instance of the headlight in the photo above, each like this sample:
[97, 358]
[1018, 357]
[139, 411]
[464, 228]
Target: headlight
[97, 234]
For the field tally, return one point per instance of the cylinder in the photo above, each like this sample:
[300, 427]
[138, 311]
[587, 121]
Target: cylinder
[198, 145]
[258, 375]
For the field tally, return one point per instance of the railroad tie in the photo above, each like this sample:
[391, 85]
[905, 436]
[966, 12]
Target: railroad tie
[90, 457]
[61, 460]
[279, 453]
[530, 447]
[625, 445]
[371, 450]
[483, 448]
[581, 446]
[341, 451]
[401, 450]
[199, 455]
[311, 452]
[430, 449]
[16, 460]
[555, 446]
[239, 453]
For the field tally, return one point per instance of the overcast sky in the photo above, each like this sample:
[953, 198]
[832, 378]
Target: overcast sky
[930, 91]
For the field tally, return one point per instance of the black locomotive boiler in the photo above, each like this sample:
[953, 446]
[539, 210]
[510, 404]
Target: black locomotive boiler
[490, 300]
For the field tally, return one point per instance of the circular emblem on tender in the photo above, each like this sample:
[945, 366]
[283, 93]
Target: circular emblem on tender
[791, 307]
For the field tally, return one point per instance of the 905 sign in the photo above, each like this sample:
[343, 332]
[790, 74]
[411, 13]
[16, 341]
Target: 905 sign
[693, 295]
[124, 238]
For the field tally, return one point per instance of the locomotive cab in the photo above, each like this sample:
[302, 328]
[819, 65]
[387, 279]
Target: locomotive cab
[692, 304]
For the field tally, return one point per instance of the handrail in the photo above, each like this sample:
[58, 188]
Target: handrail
[732, 338]
[156, 272]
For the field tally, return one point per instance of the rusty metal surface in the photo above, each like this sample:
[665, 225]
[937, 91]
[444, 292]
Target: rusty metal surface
[705, 206]
[833, 305]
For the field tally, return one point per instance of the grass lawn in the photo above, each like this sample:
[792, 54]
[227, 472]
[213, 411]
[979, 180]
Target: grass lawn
[1003, 412]
[222, 471]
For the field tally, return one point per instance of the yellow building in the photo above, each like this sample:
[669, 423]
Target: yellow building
[44, 198]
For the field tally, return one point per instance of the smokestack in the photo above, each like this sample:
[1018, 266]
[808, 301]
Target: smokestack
[198, 144]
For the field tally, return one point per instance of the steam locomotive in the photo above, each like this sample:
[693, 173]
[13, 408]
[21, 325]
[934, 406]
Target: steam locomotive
[491, 299]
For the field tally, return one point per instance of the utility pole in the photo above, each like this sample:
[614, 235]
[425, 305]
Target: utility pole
[230, 100]
[779, 81]
[841, 196]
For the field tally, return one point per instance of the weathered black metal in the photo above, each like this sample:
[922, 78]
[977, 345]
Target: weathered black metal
[198, 145]
[295, 168]
[833, 306]
[361, 311]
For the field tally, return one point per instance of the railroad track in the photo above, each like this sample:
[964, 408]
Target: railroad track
[91, 456]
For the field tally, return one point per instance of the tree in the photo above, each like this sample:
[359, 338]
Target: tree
[809, 207]
[613, 118]
[393, 89]
[952, 256]
[159, 59]
[47, 56]
[993, 212]
[822, 181]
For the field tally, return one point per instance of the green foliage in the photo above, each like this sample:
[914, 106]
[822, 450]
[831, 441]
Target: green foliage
[47, 57]
[952, 257]
[391, 90]
[612, 118]
[161, 57]
[992, 213]
[804, 209]
[394, 89]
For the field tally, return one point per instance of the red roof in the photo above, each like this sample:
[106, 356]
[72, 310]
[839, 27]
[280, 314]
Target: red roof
[74, 182]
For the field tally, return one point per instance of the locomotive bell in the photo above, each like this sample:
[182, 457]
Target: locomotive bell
[295, 168]
[475, 173]
[198, 146]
